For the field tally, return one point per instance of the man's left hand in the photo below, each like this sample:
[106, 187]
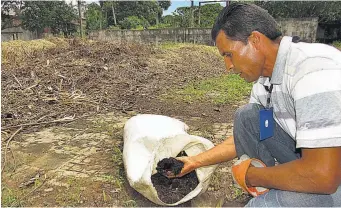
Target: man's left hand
[239, 170]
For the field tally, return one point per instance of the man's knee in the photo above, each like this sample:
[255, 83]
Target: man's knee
[246, 129]
[245, 114]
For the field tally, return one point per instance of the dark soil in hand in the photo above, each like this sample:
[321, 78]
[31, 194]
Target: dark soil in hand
[169, 165]
[172, 190]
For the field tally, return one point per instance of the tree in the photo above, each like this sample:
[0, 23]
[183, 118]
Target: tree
[146, 9]
[183, 15]
[208, 14]
[109, 9]
[173, 20]
[56, 15]
[164, 5]
[8, 7]
[326, 11]
[94, 17]
[193, 17]
[119, 10]
[133, 22]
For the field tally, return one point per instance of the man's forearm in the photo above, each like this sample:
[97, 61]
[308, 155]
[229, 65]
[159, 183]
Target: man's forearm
[223, 152]
[291, 176]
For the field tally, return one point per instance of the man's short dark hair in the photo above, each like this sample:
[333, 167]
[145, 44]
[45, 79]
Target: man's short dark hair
[239, 20]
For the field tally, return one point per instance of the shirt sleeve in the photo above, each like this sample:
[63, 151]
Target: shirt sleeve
[317, 100]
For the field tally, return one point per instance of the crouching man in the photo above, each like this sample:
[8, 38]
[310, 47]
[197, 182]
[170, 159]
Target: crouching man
[293, 117]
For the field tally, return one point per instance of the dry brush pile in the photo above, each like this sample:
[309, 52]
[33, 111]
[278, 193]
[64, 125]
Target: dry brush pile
[75, 78]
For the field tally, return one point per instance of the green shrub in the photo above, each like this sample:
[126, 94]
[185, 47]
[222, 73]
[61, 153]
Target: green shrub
[337, 44]
[112, 27]
[134, 22]
[160, 26]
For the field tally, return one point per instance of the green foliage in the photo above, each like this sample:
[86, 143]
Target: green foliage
[6, 7]
[112, 27]
[94, 17]
[160, 26]
[108, 10]
[164, 4]
[174, 20]
[8, 197]
[168, 19]
[182, 16]
[220, 90]
[57, 15]
[325, 10]
[133, 22]
[208, 14]
[151, 11]
[337, 44]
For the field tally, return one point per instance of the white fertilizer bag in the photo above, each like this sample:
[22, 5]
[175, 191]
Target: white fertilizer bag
[151, 138]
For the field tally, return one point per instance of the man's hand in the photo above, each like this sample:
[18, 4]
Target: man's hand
[223, 152]
[189, 165]
[239, 171]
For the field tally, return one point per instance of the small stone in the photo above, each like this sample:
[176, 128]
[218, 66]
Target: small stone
[132, 113]
[48, 190]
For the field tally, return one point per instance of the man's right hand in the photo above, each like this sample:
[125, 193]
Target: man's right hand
[223, 152]
[190, 164]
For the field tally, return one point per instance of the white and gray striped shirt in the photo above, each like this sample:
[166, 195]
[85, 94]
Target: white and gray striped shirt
[306, 94]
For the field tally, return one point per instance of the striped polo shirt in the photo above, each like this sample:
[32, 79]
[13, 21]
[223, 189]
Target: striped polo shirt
[306, 95]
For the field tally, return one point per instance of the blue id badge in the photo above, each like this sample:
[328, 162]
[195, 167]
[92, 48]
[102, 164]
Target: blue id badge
[266, 122]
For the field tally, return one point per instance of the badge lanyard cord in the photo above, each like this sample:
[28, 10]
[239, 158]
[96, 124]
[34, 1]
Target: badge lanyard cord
[268, 100]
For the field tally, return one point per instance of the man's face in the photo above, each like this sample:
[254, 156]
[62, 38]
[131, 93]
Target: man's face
[242, 59]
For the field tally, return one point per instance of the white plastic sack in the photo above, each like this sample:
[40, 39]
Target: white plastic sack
[150, 138]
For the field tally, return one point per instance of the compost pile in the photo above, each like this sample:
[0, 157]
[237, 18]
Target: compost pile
[90, 77]
[172, 190]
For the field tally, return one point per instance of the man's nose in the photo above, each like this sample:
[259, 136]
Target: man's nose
[228, 64]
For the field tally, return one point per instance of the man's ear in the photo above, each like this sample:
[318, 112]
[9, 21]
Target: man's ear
[255, 39]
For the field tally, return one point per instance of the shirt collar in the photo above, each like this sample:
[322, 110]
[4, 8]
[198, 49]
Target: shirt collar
[278, 71]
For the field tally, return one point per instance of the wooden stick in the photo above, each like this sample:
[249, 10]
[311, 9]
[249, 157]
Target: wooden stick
[9, 140]
[17, 81]
[30, 87]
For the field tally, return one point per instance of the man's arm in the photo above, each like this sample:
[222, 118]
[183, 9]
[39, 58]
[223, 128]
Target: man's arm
[224, 151]
[318, 171]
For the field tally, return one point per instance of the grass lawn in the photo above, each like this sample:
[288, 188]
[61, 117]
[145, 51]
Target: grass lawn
[225, 89]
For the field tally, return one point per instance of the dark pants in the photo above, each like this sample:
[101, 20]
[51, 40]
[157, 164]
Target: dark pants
[280, 147]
